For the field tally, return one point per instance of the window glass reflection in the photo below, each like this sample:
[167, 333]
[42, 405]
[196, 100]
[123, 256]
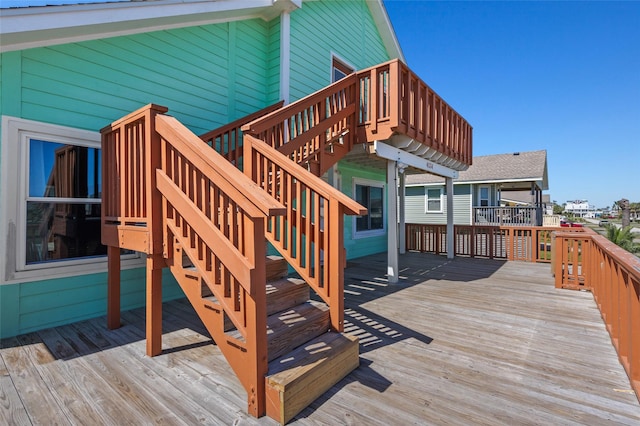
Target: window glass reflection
[66, 171]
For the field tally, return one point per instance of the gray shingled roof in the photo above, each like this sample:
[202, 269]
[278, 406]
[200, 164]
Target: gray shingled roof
[519, 166]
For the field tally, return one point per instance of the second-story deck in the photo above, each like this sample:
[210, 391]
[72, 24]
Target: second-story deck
[463, 341]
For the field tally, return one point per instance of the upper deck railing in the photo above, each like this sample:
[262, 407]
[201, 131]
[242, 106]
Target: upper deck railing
[369, 105]
[394, 100]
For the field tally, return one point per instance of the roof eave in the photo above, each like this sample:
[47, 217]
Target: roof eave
[24, 28]
[387, 33]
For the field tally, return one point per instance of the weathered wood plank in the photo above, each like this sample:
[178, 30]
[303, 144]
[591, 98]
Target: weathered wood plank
[39, 403]
[468, 341]
[12, 410]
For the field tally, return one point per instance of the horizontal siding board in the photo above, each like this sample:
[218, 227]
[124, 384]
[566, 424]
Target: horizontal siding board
[415, 206]
[68, 300]
[319, 28]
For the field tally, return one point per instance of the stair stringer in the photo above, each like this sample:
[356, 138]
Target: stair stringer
[243, 360]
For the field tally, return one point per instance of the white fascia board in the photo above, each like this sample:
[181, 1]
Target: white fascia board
[490, 181]
[23, 28]
[392, 153]
[387, 33]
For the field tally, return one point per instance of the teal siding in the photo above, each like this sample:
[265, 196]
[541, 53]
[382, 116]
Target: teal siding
[321, 28]
[202, 75]
[206, 76]
[415, 206]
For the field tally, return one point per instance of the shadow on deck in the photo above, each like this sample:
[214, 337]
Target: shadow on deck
[464, 341]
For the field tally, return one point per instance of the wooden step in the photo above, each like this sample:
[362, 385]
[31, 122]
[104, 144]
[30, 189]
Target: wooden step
[298, 378]
[286, 293]
[286, 330]
[282, 294]
[277, 268]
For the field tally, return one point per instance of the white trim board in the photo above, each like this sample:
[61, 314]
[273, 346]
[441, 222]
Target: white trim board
[389, 152]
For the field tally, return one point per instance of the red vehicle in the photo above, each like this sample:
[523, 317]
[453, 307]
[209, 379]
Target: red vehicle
[567, 224]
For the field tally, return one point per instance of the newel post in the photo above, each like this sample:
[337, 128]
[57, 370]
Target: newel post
[155, 260]
[336, 262]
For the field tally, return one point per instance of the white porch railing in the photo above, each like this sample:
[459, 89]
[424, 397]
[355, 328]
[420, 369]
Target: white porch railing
[507, 216]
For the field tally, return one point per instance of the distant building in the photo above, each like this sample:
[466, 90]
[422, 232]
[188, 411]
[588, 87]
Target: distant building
[580, 208]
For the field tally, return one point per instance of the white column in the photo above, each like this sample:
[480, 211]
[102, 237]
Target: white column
[285, 55]
[401, 206]
[449, 185]
[392, 222]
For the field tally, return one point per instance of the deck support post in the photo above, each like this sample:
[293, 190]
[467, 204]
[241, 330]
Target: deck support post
[392, 221]
[154, 304]
[450, 236]
[402, 232]
[113, 287]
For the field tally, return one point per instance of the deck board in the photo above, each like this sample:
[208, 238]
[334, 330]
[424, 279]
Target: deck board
[464, 341]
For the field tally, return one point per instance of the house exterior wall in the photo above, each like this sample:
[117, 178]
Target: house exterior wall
[415, 205]
[321, 28]
[206, 76]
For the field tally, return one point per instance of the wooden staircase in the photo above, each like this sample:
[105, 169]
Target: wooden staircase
[206, 213]
[169, 195]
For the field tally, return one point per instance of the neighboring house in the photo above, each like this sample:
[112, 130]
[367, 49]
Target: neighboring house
[502, 189]
[580, 208]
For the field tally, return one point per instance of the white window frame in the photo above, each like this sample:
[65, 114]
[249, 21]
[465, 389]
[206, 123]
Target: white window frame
[426, 199]
[335, 58]
[480, 188]
[14, 167]
[371, 232]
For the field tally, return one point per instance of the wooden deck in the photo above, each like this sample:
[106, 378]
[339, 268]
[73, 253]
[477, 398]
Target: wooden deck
[468, 341]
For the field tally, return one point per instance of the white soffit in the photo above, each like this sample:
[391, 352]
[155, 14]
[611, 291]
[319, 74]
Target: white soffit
[28, 27]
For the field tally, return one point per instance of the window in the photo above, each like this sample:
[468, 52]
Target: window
[484, 196]
[433, 200]
[50, 217]
[339, 70]
[371, 196]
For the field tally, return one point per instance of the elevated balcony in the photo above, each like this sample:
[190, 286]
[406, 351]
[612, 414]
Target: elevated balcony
[387, 105]
[396, 106]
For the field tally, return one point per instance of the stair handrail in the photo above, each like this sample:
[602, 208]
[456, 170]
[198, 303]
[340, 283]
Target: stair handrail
[189, 173]
[310, 236]
[307, 129]
[227, 139]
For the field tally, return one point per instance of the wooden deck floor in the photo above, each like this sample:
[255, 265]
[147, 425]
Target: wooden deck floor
[468, 341]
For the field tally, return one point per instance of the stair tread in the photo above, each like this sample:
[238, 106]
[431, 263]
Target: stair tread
[296, 379]
[288, 368]
[293, 327]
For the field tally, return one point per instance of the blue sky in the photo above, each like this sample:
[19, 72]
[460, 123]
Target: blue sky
[561, 76]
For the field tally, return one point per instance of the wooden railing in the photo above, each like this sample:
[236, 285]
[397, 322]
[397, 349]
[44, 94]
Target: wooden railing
[529, 244]
[315, 131]
[130, 207]
[168, 194]
[310, 235]
[372, 104]
[393, 99]
[507, 216]
[227, 140]
[588, 261]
